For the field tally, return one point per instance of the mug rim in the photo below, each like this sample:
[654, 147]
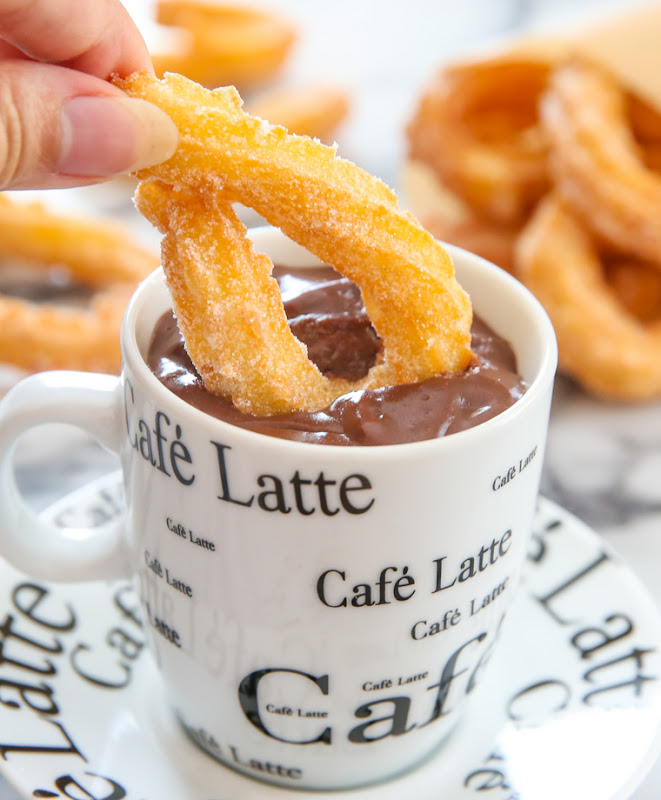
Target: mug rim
[545, 374]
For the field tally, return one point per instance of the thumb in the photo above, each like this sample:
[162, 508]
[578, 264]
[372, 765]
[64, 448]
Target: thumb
[60, 127]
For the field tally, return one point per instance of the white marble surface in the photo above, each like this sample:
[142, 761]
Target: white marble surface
[603, 461]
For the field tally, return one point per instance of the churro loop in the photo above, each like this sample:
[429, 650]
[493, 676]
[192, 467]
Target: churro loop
[477, 126]
[596, 163]
[98, 256]
[224, 44]
[228, 307]
[337, 211]
[601, 343]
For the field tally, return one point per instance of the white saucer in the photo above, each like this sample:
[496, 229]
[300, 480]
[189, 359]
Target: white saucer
[586, 727]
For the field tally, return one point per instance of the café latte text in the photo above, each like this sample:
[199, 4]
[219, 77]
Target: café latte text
[305, 494]
[160, 441]
[337, 588]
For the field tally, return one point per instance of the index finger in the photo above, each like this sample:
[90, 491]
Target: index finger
[98, 37]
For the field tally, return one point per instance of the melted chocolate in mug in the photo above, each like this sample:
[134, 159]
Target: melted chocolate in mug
[326, 312]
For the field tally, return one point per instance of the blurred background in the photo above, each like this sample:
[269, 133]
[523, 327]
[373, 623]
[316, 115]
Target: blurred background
[383, 51]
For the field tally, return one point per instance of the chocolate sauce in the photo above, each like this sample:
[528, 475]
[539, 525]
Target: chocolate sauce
[325, 311]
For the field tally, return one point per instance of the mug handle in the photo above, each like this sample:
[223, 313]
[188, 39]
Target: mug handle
[42, 550]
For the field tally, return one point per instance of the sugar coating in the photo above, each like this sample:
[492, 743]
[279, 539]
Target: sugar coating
[228, 306]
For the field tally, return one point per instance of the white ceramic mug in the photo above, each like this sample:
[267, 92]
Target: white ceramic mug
[333, 638]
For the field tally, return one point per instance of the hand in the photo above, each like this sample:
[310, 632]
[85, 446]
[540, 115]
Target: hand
[61, 122]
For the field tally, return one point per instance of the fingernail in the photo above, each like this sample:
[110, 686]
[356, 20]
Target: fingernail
[104, 136]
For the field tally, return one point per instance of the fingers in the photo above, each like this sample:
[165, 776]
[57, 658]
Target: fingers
[97, 37]
[60, 127]
[65, 125]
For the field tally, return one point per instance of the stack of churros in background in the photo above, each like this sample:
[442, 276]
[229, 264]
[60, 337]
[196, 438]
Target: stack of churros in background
[545, 159]
[93, 269]
[221, 44]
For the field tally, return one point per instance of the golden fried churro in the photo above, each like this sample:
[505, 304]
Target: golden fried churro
[228, 307]
[336, 210]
